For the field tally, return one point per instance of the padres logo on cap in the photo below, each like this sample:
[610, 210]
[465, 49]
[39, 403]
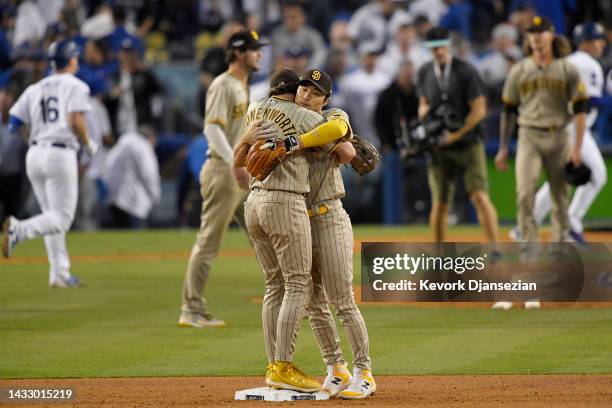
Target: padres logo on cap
[316, 75]
[537, 20]
[255, 35]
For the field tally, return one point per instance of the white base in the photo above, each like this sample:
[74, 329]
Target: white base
[270, 394]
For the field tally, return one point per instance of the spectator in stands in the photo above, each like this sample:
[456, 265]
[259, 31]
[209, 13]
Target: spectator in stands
[30, 25]
[7, 24]
[553, 9]
[494, 67]
[132, 176]
[374, 22]
[12, 159]
[431, 10]
[294, 31]
[397, 108]
[120, 33]
[134, 82]
[458, 17]
[404, 47]
[422, 25]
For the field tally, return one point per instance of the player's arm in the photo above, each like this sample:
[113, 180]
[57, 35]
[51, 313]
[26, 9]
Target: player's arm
[507, 124]
[334, 129]
[218, 141]
[580, 104]
[77, 123]
[345, 152]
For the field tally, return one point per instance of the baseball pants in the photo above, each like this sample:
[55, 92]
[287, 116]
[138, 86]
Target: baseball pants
[332, 275]
[279, 228]
[585, 194]
[550, 150]
[53, 174]
[222, 199]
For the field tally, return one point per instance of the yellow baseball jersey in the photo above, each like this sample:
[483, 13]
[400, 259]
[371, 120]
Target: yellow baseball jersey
[291, 120]
[226, 104]
[543, 95]
[324, 175]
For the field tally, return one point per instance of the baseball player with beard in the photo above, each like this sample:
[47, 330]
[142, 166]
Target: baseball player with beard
[590, 41]
[275, 203]
[54, 110]
[223, 187]
[332, 253]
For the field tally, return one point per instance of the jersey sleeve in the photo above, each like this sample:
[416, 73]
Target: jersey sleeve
[510, 94]
[335, 113]
[311, 120]
[218, 105]
[20, 108]
[78, 99]
[576, 89]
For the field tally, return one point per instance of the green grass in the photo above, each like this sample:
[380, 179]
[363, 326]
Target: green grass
[123, 323]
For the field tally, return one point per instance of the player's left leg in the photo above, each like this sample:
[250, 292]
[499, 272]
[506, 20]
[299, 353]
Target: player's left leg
[586, 194]
[557, 150]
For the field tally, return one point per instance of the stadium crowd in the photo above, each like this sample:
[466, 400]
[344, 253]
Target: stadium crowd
[372, 50]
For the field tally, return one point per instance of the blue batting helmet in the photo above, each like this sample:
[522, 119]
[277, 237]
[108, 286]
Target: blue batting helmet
[60, 53]
[587, 32]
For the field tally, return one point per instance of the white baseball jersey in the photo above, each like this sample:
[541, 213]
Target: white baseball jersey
[591, 75]
[45, 107]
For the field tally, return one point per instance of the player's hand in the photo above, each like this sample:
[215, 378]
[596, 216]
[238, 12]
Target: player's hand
[450, 138]
[260, 129]
[290, 144]
[576, 158]
[242, 177]
[501, 159]
[91, 148]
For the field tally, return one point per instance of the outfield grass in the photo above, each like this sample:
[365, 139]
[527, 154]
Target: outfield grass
[123, 323]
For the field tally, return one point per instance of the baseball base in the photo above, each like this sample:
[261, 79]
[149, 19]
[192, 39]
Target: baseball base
[270, 394]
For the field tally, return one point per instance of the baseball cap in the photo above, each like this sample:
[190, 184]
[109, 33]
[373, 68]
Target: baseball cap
[245, 40]
[540, 24]
[437, 37]
[284, 77]
[588, 32]
[318, 78]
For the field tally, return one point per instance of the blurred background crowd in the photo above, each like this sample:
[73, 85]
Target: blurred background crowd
[148, 64]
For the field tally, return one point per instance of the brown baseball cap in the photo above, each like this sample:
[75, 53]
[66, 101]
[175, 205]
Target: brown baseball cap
[245, 40]
[318, 78]
[284, 77]
[540, 24]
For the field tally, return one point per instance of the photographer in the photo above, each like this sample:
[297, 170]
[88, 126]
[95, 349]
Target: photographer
[450, 84]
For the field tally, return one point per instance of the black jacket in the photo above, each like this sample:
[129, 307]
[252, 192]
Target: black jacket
[395, 111]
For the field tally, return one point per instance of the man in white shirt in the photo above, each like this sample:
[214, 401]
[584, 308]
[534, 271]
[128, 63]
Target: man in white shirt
[376, 22]
[132, 175]
[54, 110]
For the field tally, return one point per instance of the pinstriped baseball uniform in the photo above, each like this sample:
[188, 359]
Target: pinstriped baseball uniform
[332, 260]
[278, 224]
[226, 103]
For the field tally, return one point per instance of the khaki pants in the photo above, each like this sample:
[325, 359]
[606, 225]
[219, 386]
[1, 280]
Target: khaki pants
[222, 201]
[279, 228]
[332, 277]
[537, 149]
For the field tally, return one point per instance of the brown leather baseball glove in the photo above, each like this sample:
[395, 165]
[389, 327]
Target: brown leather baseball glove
[264, 156]
[367, 156]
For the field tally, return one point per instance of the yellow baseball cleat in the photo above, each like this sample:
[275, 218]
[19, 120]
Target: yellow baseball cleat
[362, 386]
[269, 369]
[286, 376]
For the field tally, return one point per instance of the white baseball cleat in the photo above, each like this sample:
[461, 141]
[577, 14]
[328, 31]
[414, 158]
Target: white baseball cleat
[70, 282]
[502, 305]
[362, 386]
[9, 236]
[338, 379]
[515, 234]
[533, 304]
[187, 319]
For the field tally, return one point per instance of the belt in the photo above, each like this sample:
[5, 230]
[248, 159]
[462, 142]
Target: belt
[54, 144]
[318, 210]
[543, 128]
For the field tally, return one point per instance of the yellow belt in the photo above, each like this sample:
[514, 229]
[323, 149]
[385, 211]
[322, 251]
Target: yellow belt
[318, 210]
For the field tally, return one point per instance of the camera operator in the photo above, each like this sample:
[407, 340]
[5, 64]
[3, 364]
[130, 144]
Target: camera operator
[449, 81]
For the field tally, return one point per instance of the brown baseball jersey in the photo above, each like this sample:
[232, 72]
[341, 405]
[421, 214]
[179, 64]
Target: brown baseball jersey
[278, 225]
[543, 95]
[226, 104]
[222, 198]
[291, 120]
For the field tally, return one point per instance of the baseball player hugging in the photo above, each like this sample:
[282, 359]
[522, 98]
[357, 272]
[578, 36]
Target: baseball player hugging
[54, 111]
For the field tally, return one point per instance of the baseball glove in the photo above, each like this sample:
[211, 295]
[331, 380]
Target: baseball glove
[264, 156]
[577, 176]
[367, 156]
